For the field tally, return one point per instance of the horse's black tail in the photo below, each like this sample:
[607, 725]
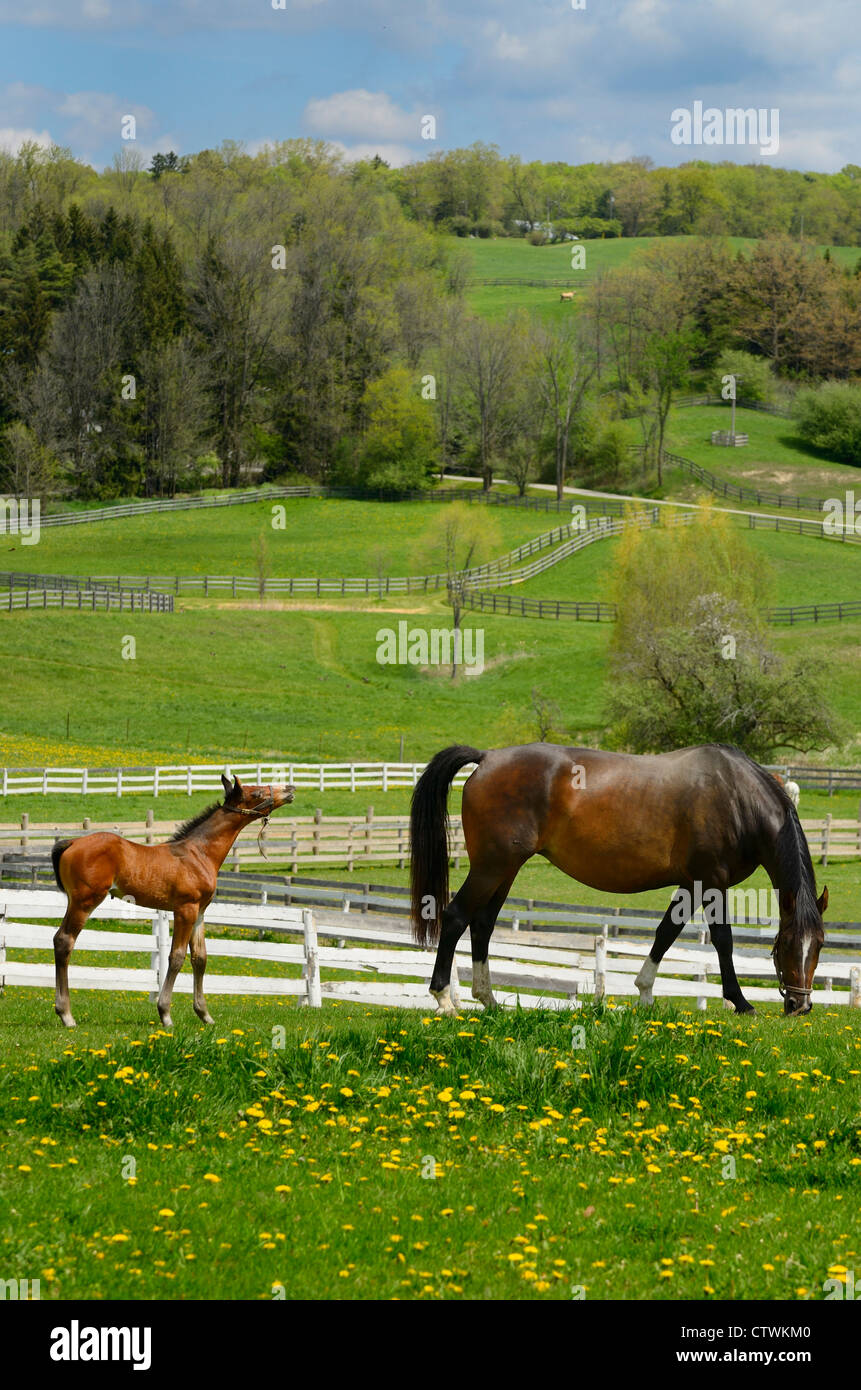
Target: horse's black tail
[429, 840]
[60, 847]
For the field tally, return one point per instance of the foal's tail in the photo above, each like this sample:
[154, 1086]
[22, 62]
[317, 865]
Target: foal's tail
[429, 840]
[60, 847]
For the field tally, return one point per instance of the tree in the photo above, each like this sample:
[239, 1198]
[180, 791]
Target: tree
[399, 450]
[690, 661]
[237, 306]
[488, 358]
[461, 537]
[564, 372]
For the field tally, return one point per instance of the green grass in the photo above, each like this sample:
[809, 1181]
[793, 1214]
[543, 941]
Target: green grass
[322, 537]
[776, 459]
[796, 570]
[599, 1168]
[514, 256]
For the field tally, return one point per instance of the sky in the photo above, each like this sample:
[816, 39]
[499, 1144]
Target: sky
[537, 78]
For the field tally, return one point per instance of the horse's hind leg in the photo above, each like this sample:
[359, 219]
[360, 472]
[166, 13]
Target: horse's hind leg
[480, 929]
[671, 924]
[475, 893]
[76, 914]
[198, 965]
[184, 919]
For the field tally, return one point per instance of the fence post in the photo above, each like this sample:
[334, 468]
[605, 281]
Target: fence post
[150, 837]
[2, 948]
[600, 967]
[855, 987]
[311, 973]
[25, 821]
[159, 956]
[826, 839]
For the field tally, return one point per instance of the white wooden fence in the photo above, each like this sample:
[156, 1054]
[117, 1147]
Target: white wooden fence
[190, 778]
[526, 968]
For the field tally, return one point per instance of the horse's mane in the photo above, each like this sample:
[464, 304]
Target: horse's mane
[792, 853]
[190, 825]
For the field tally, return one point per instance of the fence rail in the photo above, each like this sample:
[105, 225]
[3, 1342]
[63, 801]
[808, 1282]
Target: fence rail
[275, 494]
[500, 571]
[740, 493]
[87, 600]
[552, 975]
[190, 778]
[344, 840]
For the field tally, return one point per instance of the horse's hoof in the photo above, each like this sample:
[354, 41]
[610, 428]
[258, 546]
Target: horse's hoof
[206, 1018]
[745, 1008]
[67, 1020]
[166, 1022]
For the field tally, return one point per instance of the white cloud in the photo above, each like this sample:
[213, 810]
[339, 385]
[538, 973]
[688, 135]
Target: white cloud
[12, 139]
[395, 155]
[366, 115]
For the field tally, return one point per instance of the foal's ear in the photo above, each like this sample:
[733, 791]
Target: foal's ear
[226, 784]
[822, 901]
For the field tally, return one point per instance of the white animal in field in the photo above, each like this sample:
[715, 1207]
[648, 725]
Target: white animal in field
[793, 791]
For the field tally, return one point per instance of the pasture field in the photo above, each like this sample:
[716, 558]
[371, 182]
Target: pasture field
[593, 1165]
[323, 537]
[776, 459]
[499, 257]
[795, 570]
[306, 686]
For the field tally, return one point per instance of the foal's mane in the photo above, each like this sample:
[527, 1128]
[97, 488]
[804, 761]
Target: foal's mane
[792, 854]
[188, 827]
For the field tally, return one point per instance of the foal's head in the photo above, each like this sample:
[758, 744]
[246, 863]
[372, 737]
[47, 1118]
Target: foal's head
[254, 802]
[796, 948]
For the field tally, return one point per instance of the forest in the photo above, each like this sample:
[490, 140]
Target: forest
[225, 317]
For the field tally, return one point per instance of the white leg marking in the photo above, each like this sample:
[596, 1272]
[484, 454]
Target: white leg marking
[481, 989]
[646, 979]
[443, 999]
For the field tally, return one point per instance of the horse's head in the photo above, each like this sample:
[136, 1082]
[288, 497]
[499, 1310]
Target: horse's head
[796, 951]
[254, 802]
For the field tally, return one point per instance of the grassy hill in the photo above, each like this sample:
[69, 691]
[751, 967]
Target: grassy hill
[501, 257]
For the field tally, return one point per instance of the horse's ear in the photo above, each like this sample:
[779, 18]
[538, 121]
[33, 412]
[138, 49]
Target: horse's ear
[822, 902]
[226, 784]
[237, 787]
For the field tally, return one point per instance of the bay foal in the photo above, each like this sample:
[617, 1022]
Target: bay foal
[179, 877]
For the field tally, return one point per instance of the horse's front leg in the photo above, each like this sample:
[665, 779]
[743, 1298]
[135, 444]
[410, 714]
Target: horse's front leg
[198, 965]
[720, 931]
[184, 919]
[670, 926]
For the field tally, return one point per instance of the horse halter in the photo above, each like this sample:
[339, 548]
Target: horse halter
[783, 990]
[252, 810]
[792, 990]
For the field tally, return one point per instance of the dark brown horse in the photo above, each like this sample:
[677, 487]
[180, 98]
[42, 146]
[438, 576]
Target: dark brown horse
[179, 876]
[702, 819]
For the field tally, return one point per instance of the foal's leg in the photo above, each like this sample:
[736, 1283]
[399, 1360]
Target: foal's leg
[184, 919]
[198, 965]
[669, 927]
[480, 929]
[717, 916]
[473, 895]
[76, 915]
